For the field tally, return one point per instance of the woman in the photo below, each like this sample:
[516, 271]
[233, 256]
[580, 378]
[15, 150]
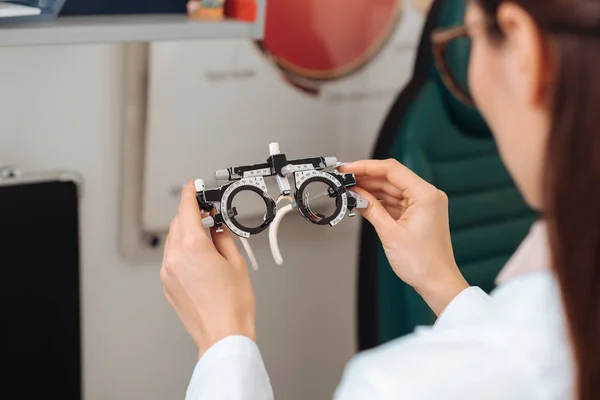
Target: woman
[534, 76]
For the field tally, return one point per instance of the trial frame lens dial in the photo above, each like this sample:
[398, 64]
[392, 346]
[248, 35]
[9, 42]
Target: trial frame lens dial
[229, 212]
[335, 190]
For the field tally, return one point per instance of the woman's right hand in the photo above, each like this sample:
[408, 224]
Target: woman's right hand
[411, 219]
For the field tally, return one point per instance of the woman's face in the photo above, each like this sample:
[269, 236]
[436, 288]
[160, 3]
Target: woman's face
[507, 78]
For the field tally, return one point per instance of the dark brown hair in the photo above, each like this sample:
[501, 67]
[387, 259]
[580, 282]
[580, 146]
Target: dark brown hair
[572, 174]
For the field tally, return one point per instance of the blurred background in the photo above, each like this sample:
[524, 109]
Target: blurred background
[137, 122]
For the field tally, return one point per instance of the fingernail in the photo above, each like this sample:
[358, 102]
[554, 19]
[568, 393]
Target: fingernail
[340, 166]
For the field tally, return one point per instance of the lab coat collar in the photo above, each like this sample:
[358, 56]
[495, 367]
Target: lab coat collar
[531, 256]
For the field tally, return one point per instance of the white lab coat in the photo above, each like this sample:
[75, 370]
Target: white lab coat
[511, 345]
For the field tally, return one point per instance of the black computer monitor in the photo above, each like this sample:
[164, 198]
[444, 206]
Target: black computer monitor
[40, 334]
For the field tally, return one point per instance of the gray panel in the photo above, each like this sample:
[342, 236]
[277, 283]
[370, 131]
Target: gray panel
[127, 28]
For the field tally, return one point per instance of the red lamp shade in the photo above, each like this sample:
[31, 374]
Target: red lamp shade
[322, 40]
[243, 10]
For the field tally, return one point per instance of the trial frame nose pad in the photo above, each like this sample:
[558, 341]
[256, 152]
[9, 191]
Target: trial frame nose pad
[318, 216]
[306, 198]
[274, 227]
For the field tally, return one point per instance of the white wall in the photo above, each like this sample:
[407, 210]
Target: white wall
[61, 108]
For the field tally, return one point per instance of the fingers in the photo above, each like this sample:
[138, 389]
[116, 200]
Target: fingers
[190, 219]
[394, 211]
[174, 231]
[396, 173]
[372, 184]
[225, 244]
[392, 205]
[167, 295]
[172, 236]
[375, 213]
[386, 199]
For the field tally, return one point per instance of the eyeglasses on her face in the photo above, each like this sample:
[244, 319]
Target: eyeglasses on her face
[440, 39]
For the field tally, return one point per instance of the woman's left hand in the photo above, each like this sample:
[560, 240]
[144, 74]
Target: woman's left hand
[206, 281]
